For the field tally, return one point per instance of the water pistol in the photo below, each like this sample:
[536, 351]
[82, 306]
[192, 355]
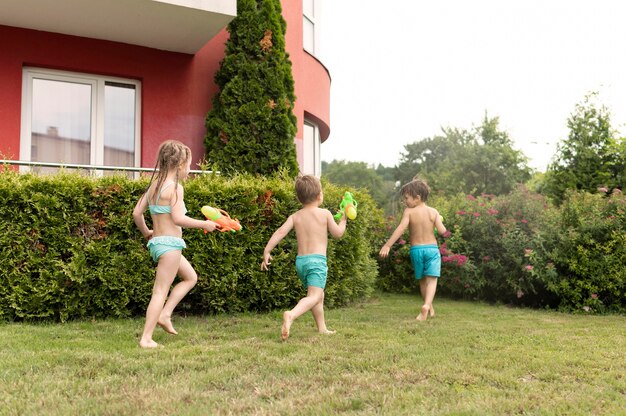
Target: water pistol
[348, 204]
[221, 218]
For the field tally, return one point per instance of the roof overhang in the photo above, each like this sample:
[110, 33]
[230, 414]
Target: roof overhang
[173, 25]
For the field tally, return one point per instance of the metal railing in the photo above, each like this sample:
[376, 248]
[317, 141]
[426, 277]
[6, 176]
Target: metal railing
[88, 167]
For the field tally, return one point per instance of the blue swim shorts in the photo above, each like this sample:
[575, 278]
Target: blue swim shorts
[426, 260]
[164, 243]
[312, 270]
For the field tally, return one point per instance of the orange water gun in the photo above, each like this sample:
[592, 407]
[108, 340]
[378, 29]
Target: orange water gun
[221, 218]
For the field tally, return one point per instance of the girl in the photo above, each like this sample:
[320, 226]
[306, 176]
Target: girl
[164, 199]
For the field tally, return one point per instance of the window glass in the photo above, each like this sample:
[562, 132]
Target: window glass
[308, 26]
[84, 119]
[308, 8]
[308, 34]
[61, 121]
[119, 124]
[311, 150]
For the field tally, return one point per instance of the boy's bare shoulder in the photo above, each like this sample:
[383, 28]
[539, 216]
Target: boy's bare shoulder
[309, 212]
[422, 211]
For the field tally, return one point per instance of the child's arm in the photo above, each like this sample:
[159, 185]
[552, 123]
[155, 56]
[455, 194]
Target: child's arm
[274, 240]
[404, 223]
[336, 230]
[441, 229]
[140, 220]
[182, 220]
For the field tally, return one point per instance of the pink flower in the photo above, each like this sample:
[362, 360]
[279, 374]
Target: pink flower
[477, 214]
[528, 252]
[447, 234]
[443, 249]
[492, 211]
[401, 241]
[524, 221]
[594, 296]
[460, 213]
[461, 260]
[617, 191]
[471, 197]
[603, 189]
[520, 294]
[528, 267]
[486, 258]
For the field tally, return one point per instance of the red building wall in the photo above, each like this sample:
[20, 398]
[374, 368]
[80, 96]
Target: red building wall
[177, 88]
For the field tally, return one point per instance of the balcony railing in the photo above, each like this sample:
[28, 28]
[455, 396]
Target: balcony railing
[90, 168]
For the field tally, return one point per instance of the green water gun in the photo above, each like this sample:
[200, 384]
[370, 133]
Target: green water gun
[348, 204]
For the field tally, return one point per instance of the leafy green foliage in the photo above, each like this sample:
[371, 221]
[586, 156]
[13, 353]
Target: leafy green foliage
[251, 126]
[583, 259]
[473, 162]
[519, 249]
[70, 248]
[359, 175]
[590, 158]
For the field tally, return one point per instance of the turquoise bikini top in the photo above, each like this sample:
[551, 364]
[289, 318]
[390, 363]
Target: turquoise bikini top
[163, 209]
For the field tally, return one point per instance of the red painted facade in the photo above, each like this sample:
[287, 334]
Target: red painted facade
[177, 88]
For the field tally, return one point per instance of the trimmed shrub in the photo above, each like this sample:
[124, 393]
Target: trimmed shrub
[70, 248]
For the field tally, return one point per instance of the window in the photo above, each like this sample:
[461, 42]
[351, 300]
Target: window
[79, 119]
[311, 150]
[308, 25]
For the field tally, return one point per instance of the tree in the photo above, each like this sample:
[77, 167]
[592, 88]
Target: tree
[251, 127]
[590, 157]
[359, 175]
[476, 161]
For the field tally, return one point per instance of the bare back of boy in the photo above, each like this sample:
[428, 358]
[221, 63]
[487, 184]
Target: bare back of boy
[312, 225]
[422, 221]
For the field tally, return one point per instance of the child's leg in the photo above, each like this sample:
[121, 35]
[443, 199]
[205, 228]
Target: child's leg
[423, 284]
[165, 274]
[429, 289]
[318, 315]
[313, 296]
[188, 278]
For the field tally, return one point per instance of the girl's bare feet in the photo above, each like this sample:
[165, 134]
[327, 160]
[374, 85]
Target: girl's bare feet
[287, 321]
[328, 332]
[165, 322]
[431, 313]
[148, 344]
[423, 314]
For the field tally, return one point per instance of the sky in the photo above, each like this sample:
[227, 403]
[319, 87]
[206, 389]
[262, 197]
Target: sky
[403, 69]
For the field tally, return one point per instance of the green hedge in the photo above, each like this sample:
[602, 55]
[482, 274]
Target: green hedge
[70, 249]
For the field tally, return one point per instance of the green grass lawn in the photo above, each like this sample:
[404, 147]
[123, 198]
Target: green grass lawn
[471, 359]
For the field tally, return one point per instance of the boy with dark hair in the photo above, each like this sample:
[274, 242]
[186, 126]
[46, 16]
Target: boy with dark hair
[421, 220]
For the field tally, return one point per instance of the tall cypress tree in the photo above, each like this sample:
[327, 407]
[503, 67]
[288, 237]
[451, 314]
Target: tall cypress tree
[251, 127]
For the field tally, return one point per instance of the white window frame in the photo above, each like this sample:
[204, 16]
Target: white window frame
[97, 83]
[311, 149]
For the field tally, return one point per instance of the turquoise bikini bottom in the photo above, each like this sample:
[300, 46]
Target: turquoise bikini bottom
[164, 243]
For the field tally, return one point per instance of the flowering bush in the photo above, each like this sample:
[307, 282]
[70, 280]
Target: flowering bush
[519, 249]
[583, 260]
